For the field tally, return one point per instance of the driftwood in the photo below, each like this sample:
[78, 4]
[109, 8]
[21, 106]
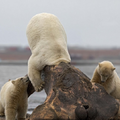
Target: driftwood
[70, 95]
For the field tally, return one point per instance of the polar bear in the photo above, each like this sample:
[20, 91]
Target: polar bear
[106, 75]
[48, 43]
[13, 99]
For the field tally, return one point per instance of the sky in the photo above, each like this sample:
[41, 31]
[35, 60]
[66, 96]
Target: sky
[88, 23]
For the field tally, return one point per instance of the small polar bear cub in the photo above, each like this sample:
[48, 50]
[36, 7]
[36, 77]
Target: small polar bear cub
[48, 43]
[13, 99]
[106, 75]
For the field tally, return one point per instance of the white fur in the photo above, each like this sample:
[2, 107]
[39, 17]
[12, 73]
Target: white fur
[13, 99]
[48, 43]
[112, 84]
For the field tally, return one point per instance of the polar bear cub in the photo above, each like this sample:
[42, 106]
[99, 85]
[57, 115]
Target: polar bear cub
[106, 75]
[13, 99]
[48, 43]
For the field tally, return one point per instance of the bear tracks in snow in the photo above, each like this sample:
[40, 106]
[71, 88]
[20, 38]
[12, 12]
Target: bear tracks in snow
[71, 95]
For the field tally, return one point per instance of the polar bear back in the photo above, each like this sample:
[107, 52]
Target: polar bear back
[47, 39]
[47, 28]
[6, 92]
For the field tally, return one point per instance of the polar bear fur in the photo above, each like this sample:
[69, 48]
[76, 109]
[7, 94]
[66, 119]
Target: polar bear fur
[48, 43]
[13, 99]
[106, 75]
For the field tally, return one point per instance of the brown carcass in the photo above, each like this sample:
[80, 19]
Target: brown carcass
[71, 95]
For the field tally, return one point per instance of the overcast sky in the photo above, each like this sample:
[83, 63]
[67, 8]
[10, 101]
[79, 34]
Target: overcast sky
[88, 23]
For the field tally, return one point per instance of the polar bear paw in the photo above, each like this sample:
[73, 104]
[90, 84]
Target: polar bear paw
[40, 87]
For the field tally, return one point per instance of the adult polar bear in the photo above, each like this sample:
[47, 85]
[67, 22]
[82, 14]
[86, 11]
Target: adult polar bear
[48, 43]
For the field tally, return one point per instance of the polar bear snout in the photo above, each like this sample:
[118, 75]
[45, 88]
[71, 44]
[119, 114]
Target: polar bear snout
[26, 79]
[104, 78]
[21, 81]
[102, 81]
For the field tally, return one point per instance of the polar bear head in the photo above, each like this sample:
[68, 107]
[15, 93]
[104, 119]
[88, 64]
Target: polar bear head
[106, 69]
[21, 82]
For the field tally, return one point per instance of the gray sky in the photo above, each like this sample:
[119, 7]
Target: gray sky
[88, 23]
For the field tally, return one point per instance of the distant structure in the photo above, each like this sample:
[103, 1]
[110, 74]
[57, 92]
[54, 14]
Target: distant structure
[94, 54]
[23, 53]
[14, 53]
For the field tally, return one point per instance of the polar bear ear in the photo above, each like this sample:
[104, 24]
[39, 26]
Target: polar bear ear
[13, 82]
[99, 64]
[113, 68]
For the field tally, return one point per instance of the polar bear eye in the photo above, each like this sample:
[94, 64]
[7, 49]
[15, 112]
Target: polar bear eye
[21, 78]
[105, 75]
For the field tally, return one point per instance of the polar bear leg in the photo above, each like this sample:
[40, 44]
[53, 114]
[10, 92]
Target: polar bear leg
[1, 110]
[10, 114]
[21, 115]
[36, 80]
[34, 76]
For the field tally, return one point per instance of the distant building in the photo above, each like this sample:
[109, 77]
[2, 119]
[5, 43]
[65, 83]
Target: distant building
[76, 53]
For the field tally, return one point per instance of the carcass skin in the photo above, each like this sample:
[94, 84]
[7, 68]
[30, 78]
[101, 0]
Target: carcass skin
[71, 95]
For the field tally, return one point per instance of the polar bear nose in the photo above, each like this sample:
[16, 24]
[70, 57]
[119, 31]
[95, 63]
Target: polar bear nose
[102, 81]
[26, 76]
[27, 80]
